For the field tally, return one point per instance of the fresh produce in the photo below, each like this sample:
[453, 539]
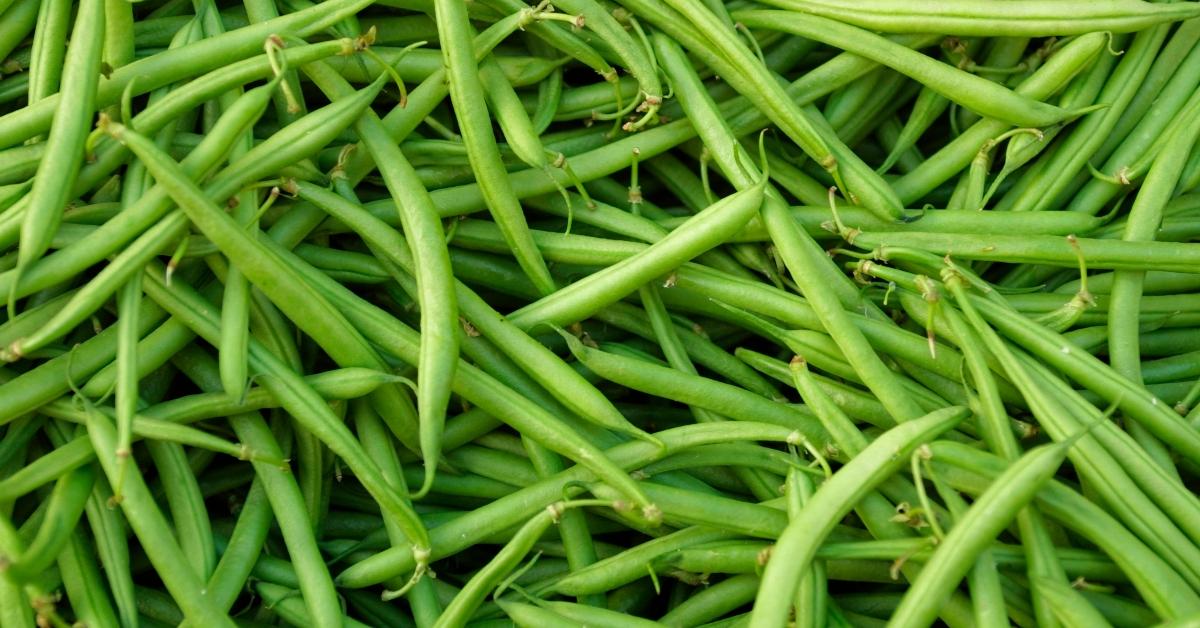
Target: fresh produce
[600, 313]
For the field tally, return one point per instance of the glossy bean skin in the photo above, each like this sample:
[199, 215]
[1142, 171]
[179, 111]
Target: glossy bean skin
[1049, 402]
[19, 19]
[82, 581]
[529, 616]
[401, 121]
[150, 205]
[348, 383]
[715, 396]
[186, 505]
[48, 381]
[478, 387]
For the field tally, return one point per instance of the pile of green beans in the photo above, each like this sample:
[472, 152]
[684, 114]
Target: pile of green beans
[432, 313]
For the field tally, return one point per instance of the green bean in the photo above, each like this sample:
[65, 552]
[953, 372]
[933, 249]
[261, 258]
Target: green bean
[504, 467]
[558, 247]
[455, 535]
[529, 616]
[18, 21]
[799, 540]
[1147, 515]
[700, 349]
[481, 389]
[711, 395]
[550, 92]
[1138, 404]
[111, 547]
[803, 126]
[154, 534]
[49, 380]
[1051, 412]
[65, 143]
[65, 507]
[339, 337]
[134, 257]
[420, 65]
[235, 303]
[186, 505]
[988, 515]
[535, 359]
[683, 507]
[1069, 158]
[466, 92]
[284, 494]
[1153, 282]
[993, 100]
[592, 616]
[1143, 219]
[81, 579]
[1070, 607]
[714, 601]
[311, 411]
[798, 255]
[632, 54]
[284, 602]
[584, 297]
[1156, 582]
[245, 544]
[927, 108]
[465, 603]
[349, 383]
[16, 608]
[377, 612]
[49, 466]
[129, 298]
[170, 66]
[844, 103]
[676, 354]
[993, 420]
[1025, 18]
[401, 121]
[431, 264]
[374, 439]
[1048, 79]
[48, 49]
[1056, 251]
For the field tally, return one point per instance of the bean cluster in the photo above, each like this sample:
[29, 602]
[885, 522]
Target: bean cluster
[599, 312]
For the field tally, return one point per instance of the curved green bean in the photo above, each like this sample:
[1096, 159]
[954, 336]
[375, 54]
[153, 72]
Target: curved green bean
[832, 501]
